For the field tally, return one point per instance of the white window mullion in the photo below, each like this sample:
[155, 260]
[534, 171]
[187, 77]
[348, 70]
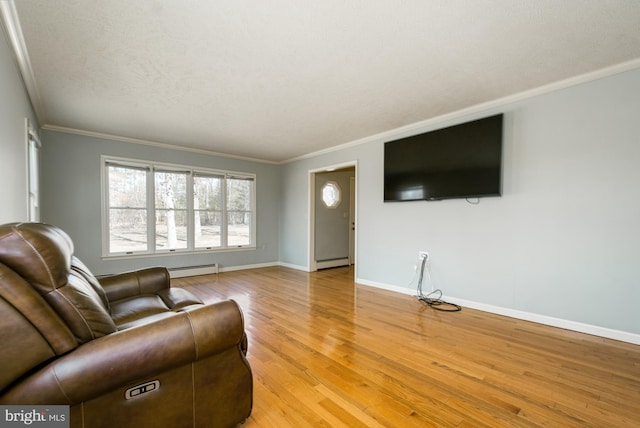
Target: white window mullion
[223, 219]
[151, 210]
[190, 216]
[253, 214]
[106, 222]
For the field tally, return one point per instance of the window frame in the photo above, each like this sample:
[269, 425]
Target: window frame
[191, 171]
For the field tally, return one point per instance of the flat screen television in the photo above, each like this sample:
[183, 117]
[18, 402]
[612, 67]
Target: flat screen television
[461, 161]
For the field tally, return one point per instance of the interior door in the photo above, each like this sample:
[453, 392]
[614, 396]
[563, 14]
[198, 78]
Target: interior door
[333, 218]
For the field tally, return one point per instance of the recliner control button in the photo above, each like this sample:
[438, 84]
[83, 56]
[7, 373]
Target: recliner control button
[141, 389]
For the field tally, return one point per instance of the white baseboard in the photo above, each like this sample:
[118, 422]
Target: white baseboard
[402, 290]
[594, 330]
[245, 267]
[296, 267]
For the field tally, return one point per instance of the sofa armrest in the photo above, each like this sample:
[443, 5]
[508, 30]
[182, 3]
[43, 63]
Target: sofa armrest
[143, 281]
[121, 359]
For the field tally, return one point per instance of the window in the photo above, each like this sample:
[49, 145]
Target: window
[239, 212]
[127, 219]
[207, 210]
[33, 168]
[157, 208]
[171, 210]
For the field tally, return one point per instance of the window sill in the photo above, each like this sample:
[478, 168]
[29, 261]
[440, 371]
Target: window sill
[177, 253]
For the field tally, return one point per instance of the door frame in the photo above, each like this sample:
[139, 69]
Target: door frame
[312, 211]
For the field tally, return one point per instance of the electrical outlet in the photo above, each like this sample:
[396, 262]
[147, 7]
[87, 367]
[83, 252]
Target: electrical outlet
[423, 255]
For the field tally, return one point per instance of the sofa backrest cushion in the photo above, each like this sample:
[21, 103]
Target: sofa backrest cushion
[43, 255]
[30, 331]
[80, 269]
[39, 253]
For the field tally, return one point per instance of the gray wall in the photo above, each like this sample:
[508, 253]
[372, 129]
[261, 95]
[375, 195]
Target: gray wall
[14, 108]
[72, 199]
[562, 241]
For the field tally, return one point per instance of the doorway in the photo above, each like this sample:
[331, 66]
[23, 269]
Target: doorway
[332, 208]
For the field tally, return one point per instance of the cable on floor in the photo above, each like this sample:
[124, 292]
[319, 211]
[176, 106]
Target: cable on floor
[434, 302]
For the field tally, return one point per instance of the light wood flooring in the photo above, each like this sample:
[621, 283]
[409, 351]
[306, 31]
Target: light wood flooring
[327, 352]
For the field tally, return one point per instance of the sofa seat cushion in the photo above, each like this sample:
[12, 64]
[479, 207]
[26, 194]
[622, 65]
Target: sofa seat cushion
[133, 308]
[140, 309]
[134, 322]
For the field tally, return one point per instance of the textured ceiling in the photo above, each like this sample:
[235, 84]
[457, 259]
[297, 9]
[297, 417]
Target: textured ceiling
[278, 79]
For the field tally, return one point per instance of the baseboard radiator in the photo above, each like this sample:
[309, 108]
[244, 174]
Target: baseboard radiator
[181, 272]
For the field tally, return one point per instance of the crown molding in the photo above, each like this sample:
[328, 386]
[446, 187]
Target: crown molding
[421, 126]
[120, 138]
[11, 24]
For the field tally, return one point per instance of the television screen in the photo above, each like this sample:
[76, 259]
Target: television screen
[461, 161]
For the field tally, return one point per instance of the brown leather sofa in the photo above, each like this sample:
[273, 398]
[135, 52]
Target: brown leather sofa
[122, 351]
